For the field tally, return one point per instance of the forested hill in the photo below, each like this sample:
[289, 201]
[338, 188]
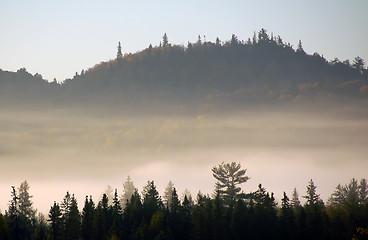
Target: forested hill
[261, 69]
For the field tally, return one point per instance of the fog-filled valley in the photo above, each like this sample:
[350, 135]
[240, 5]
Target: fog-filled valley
[281, 146]
[172, 113]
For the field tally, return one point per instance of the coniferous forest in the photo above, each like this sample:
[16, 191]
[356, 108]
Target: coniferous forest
[221, 74]
[169, 79]
[229, 213]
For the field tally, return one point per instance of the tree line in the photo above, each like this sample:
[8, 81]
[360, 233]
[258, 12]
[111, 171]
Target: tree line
[229, 213]
[235, 72]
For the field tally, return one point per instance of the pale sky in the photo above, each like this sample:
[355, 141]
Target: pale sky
[59, 38]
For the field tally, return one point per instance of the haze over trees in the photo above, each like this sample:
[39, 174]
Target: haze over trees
[226, 215]
[221, 74]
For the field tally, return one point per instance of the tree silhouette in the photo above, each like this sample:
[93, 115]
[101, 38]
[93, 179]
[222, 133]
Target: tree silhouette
[165, 41]
[56, 221]
[229, 176]
[119, 55]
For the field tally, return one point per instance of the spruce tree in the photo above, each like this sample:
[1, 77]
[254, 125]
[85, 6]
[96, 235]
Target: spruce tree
[119, 55]
[165, 41]
[87, 219]
[56, 221]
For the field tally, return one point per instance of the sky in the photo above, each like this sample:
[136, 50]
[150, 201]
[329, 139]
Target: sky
[59, 38]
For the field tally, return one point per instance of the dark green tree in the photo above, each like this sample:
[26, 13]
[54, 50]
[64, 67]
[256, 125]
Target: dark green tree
[117, 218]
[287, 220]
[119, 55]
[314, 208]
[132, 215]
[88, 213]
[13, 217]
[56, 222]
[165, 41]
[73, 221]
[151, 200]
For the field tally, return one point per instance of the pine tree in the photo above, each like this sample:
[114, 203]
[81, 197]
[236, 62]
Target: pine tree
[128, 190]
[229, 176]
[72, 221]
[174, 202]
[55, 218]
[287, 219]
[117, 217]
[218, 42]
[295, 199]
[87, 219]
[300, 47]
[12, 216]
[165, 41]
[25, 203]
[168, 194]
[119, 55]
[199, 40]
[234, 40]
[312, 197]
[151, 200]
[358, 63]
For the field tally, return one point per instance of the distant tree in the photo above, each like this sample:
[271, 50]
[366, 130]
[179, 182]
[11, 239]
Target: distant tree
[279, 41]
[56, 222]
[25, 203]
[109, 191]
[229, 176]
[218, 42]
[174, 202]
[254, 38]
[65, 205]
[300, 47]
[165, 41]
[119, 55]
[263, 36]
[234, 40]
[188, 195]
[295, 199]
[363, 192]
[312, 197]
[199, 40]
[27, 213]
[168, 194]
[358, 63]
[128, 190]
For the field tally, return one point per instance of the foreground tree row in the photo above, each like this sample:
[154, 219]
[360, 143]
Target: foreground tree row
[228, 214]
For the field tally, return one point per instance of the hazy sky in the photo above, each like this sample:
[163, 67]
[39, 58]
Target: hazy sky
[59, 38]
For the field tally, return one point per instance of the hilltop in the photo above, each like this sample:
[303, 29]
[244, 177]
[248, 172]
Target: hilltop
[233, 73]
